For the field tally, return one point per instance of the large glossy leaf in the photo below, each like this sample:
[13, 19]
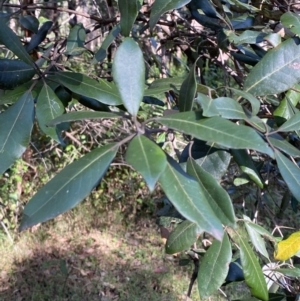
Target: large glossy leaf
[280, 143]
[292, 22]
[129, 74]
[147, 158]
[208, 105]
[278, 70]
[181, 239]
[215, 194]
[76, 39]
[14, 73]
[162, 6]
[293, 124]
[48, 107]
[244, 161]
[290, 173]
[185, 194]
[252, 271]
[16, 124]
[229, 108]
[187, 91]
[216, 129]
[81, 84]
[12, 42]
[128, 10]
[69, 187]
[82, 115]
[102, 52]
[214, 267]
[256, 239]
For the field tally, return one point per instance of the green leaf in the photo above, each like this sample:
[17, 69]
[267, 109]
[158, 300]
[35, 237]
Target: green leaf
[76, 39]
[252, 271]
[187, 91]
[162, 6]
[247, 166]
[69, 187]
[128, 10]
[14, 73]
[247, 37]
[81, 84]
[293, 272]
[11, 96]
[215, 194]
[293, 124]
[163, 85]
[214, 267]
[261, 230]
[147, 158]
[181, 239]
[291, 21]
[82, 115]
[277, 71]
[129, 74]
[217, 130]
[256, 239]
[279, 142]
[290, 173]
[228, 108]
[48, 107]
[102, 52]
[255, 103]
[208, 105]
[30, 22]
[9, 39]
[16, 124]
[185, 194]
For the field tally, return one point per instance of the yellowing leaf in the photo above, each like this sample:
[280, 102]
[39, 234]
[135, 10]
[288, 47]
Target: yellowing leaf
[288, 247]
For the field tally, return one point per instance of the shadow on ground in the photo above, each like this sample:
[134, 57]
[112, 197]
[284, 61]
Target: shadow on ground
[96, 267]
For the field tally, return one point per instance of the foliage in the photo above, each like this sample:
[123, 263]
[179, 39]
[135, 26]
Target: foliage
[250, 120]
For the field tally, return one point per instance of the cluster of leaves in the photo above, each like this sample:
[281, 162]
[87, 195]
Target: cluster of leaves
[252, 122]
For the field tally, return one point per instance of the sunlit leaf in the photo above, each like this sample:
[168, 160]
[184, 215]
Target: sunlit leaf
[215, 194]
[291, 21]
[69, 187]
[181, 239]
[214, 267]
[216, 129]
[129, 74]
[278, 70]
[185, 194]
[290, 173]
[147, 158]
[288, 247]
[254, 276]
[48, 107]
[16, 124]
[293, 124]
[160, 7]
[81, 84]
[187, 91]
[229, 108]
